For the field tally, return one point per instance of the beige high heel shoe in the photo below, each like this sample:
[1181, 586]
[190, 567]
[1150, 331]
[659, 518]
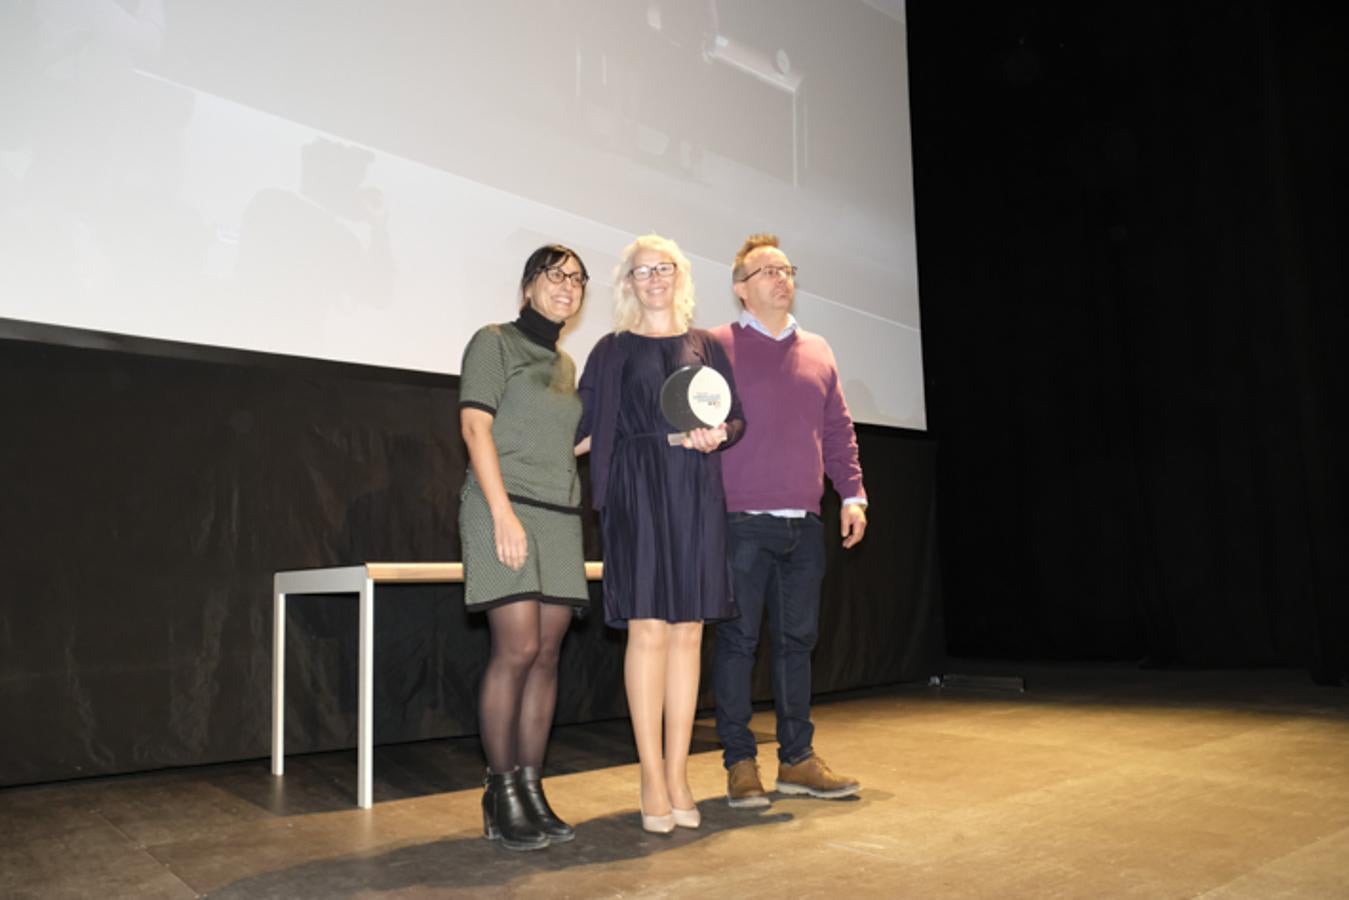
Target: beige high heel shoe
[686, 818]
[656, 824]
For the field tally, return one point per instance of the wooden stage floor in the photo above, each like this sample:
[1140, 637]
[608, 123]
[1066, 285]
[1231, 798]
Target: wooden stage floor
[1097, 782]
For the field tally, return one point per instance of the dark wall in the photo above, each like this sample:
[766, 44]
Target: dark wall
[148, 498]
[1131, 234]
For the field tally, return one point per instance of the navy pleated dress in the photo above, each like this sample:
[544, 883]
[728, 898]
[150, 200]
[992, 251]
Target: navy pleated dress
[664, 518]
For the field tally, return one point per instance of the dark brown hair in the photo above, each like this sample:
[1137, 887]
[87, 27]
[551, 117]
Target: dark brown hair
[546, 258]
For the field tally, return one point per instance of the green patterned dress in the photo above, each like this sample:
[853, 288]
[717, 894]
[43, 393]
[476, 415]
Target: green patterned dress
[530, 390]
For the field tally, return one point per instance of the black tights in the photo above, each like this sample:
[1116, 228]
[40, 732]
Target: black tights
[519, 688]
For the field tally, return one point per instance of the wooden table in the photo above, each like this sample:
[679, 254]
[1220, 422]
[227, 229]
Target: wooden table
[359, 580]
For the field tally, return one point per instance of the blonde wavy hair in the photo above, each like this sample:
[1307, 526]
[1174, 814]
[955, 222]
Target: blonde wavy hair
[627, 308]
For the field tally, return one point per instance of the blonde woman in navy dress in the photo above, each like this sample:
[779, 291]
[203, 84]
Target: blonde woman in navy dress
[520, 523]
[662, 514]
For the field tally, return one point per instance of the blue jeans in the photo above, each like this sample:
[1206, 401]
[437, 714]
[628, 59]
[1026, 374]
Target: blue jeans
[777, 565]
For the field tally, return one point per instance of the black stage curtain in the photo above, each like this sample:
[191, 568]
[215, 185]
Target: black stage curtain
[1131, 242]
[148, 498]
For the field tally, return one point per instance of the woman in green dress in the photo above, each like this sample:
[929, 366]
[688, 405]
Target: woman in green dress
[520, 524]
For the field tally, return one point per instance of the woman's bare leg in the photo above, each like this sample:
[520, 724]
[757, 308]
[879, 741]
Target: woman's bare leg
[684, 662]
[644, 665]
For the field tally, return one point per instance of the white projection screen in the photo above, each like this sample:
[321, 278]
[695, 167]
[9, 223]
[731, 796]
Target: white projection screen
[361, 180]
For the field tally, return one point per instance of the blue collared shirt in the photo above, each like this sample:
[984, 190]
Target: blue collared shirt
[747, 320]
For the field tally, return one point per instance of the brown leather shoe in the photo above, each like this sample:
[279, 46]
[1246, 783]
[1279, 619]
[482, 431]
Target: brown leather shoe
[811, 776]
[743, 787]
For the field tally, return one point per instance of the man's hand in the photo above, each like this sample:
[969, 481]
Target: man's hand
[853, 519]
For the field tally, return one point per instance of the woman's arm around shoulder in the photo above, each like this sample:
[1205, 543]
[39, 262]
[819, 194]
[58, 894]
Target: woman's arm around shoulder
[588, 388]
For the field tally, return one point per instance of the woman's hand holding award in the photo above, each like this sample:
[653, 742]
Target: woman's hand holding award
[692, 398]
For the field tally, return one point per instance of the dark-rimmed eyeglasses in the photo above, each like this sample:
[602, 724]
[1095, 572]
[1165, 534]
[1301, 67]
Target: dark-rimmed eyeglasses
[557, 276]
[773, 272]
[644, 273]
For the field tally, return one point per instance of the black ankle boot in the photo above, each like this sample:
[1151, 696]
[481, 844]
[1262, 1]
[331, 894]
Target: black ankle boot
[531, 788]
[505, 817]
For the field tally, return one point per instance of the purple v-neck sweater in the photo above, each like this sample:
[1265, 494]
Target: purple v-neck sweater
[797, 423]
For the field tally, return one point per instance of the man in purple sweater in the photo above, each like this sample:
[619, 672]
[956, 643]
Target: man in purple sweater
[798, 430]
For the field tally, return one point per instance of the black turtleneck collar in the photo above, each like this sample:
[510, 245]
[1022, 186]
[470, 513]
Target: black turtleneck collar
[537, 328]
